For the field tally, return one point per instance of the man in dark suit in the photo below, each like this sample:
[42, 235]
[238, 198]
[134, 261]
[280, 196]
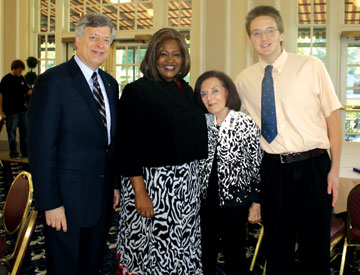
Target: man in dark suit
[71, 142]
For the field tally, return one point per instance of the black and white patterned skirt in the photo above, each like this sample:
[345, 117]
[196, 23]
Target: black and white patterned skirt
[168, 243]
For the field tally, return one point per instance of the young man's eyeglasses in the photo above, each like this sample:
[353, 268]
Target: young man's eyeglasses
[267, 32]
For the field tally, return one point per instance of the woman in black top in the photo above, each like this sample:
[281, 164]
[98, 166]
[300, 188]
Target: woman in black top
[162, 137]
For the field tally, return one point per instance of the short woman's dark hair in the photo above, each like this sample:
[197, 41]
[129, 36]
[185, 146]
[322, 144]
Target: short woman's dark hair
[233, 101]
[149, 67]
[17, 64]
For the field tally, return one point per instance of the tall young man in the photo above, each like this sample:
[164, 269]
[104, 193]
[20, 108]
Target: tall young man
[292, 99]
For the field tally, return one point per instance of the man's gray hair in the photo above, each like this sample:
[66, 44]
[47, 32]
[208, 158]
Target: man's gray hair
[94, 20]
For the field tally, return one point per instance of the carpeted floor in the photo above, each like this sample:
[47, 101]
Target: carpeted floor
[34, 263]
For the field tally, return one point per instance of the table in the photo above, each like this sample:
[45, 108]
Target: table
[350, 157]
[348, 179]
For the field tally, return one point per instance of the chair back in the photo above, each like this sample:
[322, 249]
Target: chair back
[24, 241]
[17, 203]
[3, 270]
[354, 206]
[337, 228]
[2, 122]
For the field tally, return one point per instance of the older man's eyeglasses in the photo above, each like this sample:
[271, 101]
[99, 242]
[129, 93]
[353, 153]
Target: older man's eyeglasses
[105, 40]
[267, 32]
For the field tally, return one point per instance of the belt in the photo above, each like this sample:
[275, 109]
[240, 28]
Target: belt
[294, 157]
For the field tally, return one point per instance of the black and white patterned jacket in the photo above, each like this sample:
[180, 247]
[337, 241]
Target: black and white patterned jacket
[238, 158]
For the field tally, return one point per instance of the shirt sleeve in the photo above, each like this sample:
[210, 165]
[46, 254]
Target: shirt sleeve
[328, 98]
[2, 85]
[255, 158]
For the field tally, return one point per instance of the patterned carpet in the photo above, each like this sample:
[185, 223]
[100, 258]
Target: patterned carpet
[34, 262]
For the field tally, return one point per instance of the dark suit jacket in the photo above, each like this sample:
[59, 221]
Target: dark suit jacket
[70, 159]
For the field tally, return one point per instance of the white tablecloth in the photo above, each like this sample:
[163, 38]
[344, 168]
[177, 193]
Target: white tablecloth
[350, 157]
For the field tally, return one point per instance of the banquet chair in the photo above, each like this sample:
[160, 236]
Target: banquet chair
[2, 122]
[352, 237]
[3, 269]
[15, 212]
[261, 235]
[337, 233]
[22, 245]
[24, 242]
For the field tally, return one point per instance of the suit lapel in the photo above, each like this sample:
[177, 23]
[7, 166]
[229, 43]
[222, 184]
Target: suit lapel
[82, 87]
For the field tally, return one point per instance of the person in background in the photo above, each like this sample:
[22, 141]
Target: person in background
[163, 137]
[229, 176]
[72, 125]
[13, 89]
[292, 99]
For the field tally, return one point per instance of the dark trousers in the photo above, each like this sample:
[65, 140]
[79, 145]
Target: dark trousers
[229, 225]
[79, 251]
[295, 206]
[13, 122]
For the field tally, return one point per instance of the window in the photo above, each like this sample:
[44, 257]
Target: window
[352, 11]
[350, 91]
[186, 35]
[47, 15]
[128, 58]
[125, 14]
[180, 18]
[312, 41]
[128, 16]
[179, 14]
[46, 36]
[312, 28]
[46, 54]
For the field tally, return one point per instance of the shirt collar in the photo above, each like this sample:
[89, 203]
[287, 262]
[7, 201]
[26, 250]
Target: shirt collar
[278, 64]
[85, 69]
[228, 121]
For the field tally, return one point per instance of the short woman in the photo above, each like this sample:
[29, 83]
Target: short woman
[230, 175]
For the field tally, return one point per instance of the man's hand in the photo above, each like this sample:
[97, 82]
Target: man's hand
[333, 185]
[56, 218]
[334, 132]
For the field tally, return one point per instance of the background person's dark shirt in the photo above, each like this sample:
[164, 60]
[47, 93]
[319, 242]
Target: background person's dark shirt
[13, 89]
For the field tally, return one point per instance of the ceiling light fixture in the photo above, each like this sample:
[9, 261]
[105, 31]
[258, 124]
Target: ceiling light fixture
[121, 1]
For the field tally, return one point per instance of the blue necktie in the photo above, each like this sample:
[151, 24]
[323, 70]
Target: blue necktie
[99, 98]
[268, 111]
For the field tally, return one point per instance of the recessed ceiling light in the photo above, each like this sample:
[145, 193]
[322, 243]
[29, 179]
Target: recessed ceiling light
[121, 1]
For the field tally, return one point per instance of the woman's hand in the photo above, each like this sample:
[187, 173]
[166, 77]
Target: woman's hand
[254, 213]
[143, 203]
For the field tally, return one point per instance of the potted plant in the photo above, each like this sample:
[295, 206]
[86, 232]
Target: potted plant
[30, 76]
